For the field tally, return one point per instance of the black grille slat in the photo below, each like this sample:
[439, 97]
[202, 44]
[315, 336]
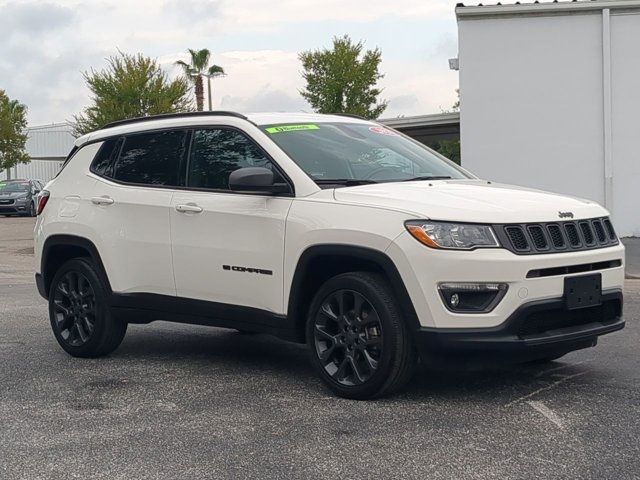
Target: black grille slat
[555, 233]
[537, 235]
[572, 234]
[557, 237]
[587, 233]
[599, 229]
[518, 239]
[610, 231]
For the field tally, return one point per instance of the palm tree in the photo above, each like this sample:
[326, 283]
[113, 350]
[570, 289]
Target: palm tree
[196, 69]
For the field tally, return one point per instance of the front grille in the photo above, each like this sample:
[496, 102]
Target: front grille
[7, 202]
[537, 323]
[556, 237]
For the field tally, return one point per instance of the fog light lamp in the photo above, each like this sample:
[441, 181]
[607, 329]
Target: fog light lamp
[464, 297]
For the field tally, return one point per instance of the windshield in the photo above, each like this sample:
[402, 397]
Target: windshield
[359, 153]
[13, 187]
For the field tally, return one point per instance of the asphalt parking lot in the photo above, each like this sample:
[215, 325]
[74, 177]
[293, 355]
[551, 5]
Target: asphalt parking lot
[194, 402]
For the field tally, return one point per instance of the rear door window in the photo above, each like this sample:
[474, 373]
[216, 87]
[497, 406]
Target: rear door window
[152, 158]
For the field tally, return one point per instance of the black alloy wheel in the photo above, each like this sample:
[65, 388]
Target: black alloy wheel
[348, 337]
[79, 311]
[358, 342]
[74, 308]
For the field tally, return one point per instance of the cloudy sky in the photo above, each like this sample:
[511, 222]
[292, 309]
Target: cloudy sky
[46, 44]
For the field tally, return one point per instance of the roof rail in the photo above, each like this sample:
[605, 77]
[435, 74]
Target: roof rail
[350, 115]
[164, 116]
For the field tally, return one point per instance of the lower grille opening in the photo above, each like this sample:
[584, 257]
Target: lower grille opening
[585, 267]
[540, 322]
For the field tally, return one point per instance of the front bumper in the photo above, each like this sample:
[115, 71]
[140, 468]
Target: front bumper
[13, 209]
[537, 329]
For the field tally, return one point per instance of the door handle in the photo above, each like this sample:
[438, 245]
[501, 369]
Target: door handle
[102, 200]
[189, 208]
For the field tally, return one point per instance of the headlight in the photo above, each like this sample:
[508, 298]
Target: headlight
[454, 236]
[21, 199]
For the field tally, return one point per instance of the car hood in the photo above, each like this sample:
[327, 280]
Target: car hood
[13, 195]
[470, 201]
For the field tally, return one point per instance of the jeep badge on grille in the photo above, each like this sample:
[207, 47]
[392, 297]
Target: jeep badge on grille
[565, 214]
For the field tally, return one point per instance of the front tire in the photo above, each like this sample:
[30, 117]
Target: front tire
[358, 342]
[79, 313]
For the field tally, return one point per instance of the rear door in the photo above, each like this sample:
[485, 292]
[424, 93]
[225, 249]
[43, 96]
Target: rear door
[228, 247]
[131, 202]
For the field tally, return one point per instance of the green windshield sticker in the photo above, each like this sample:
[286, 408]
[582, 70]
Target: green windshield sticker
[292, 128]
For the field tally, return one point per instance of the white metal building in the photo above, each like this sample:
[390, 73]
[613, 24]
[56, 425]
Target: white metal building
[48, 146]
[551, 99]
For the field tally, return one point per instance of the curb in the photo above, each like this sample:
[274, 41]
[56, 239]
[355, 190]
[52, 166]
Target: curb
[631, 276]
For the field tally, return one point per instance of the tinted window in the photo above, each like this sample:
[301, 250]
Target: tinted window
[101, 165]
[217, 153]
[151, 158]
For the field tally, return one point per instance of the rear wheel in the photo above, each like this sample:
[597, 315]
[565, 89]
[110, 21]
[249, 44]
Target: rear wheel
[357, 340]
[80, 316]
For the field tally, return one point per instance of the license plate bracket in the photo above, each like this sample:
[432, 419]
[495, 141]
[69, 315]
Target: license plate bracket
[583, 291]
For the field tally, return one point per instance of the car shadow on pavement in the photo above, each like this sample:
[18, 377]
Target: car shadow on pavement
[256, 354]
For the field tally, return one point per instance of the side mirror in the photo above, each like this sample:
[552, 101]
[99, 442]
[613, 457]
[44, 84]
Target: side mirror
[255, 179]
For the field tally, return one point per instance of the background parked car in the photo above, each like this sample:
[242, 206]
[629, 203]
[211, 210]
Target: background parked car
[19, 197]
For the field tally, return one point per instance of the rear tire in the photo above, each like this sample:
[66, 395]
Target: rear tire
[358, 342]
[79, 312]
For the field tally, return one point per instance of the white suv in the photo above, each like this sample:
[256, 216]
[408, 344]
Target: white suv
[327, 230]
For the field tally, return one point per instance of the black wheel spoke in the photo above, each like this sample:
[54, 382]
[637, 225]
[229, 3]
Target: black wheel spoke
[371, 362]
[358, 376]
[340, 373]
[326, 310]
[320, 331]
[326, 355]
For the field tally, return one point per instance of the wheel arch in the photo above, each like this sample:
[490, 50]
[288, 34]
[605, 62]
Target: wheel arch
[58, 249]
[318, 263]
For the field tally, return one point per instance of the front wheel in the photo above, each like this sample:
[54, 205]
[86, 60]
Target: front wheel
[79, 313]
[357, 339]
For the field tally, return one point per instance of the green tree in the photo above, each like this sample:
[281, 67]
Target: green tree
[343, 79]
[198, 67]
[13, 124]
[450, 149]
[131, 86]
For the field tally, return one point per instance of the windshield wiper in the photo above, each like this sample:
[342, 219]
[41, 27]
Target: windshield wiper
[428, 177]
[349, 182]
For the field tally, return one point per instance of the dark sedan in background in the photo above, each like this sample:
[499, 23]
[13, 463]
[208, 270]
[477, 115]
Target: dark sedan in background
[19, 197]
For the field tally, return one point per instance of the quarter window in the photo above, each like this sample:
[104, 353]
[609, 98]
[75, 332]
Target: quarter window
[151, 158]
[215, 153]
[101, 165]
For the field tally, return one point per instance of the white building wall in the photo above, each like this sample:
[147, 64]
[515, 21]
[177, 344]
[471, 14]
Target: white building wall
[47, 146]
[533, 105]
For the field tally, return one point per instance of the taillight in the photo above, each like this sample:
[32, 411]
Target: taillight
[43, 198]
